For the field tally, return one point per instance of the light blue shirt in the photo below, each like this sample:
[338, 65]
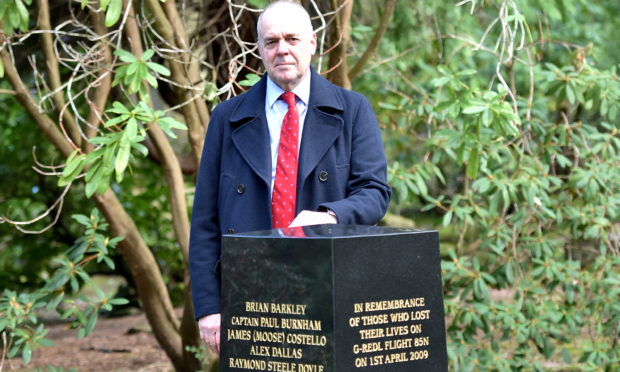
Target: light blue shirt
[275, 109]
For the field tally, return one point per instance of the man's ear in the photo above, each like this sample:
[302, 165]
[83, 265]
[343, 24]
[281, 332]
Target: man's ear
[313, 42]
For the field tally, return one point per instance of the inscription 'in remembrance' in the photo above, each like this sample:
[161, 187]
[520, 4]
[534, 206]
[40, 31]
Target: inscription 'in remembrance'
[275, 330]
[390, 331]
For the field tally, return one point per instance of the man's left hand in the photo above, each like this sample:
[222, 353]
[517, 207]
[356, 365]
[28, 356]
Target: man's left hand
[306, 218]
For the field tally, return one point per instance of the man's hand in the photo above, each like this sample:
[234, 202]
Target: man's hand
[306, 218]
[209, 327]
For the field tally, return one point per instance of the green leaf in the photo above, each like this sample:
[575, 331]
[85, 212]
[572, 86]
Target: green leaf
[125, 56]
[131, 130]
[45, 342]
[55, 301]
[250, 80]
[132, 68]
[140, 148]
[75, 164]
[167, 124]
[113, 13]
[115, 121]
[472, 163]
[388, 106]
[148, 54]
[466, 72]
[119, 108]
[82, 219]
[92, 172]
[92, 185]
[14, 350]
[158, 68]
[122, 157]
[423, 190]
[90, 325]
[570, 93]
[460, 153]
[151, 80]
[119, 301]
[26, 353]
[108, 262]
[104, 4]
[134, 85]
[57, 281]
[474, 109]
[486, 118]
[447, 218]
[509, 272]
[482, 185]
[441, 81]
[23, 11]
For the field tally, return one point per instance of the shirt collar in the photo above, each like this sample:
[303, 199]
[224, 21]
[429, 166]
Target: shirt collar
[302, 91]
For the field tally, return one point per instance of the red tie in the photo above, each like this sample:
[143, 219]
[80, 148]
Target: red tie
[285, 184]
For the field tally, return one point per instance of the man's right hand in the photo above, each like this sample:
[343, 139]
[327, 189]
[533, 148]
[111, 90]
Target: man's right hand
[209, 327]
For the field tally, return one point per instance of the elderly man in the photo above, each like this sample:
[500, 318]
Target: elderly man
[293, 150]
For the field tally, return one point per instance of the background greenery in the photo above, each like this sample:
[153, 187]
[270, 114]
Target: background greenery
[500, 121]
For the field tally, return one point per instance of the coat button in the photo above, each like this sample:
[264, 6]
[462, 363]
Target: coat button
[231, 231]
[323, 176]
[240, 189]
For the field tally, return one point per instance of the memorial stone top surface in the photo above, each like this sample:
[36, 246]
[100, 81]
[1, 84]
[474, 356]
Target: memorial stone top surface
[332, 298]
[328, 232]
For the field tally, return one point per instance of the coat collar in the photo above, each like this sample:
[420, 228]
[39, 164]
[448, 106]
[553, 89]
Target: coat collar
[322, 96]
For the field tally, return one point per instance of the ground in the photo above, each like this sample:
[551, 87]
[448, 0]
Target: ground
[119, 344]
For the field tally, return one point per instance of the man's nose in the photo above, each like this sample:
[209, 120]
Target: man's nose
[282, 47]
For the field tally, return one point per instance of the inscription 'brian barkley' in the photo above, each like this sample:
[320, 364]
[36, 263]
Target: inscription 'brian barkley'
[274, 308]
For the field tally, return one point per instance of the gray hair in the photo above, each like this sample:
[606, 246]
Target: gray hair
[280, 3]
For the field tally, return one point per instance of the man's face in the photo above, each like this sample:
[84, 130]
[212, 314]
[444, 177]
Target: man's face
[286, 45]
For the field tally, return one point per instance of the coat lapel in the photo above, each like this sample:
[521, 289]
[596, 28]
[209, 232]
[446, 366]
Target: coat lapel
[250, 133]
[321, 126]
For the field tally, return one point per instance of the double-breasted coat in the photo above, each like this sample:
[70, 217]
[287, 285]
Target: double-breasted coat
[342, 167]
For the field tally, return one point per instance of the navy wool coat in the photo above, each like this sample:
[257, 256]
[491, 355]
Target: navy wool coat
[342, 167]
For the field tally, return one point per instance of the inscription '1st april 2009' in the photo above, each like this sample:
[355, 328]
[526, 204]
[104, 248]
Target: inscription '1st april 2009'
[390, 331]
[286, 326]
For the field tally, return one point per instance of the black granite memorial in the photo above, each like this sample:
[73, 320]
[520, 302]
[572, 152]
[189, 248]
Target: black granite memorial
[332, 298]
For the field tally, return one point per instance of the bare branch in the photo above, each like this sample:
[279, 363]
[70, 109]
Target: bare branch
[44, 24]
[337, 64]
[58, 203]
[389, 7]
[102, 90]
[47, 126]
[191, 112]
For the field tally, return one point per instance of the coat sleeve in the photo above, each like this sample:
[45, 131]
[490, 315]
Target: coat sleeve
[367, 192]
[205, 233]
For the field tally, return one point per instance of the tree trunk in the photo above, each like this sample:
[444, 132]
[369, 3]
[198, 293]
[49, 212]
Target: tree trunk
[339, 39]
[150, 285]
